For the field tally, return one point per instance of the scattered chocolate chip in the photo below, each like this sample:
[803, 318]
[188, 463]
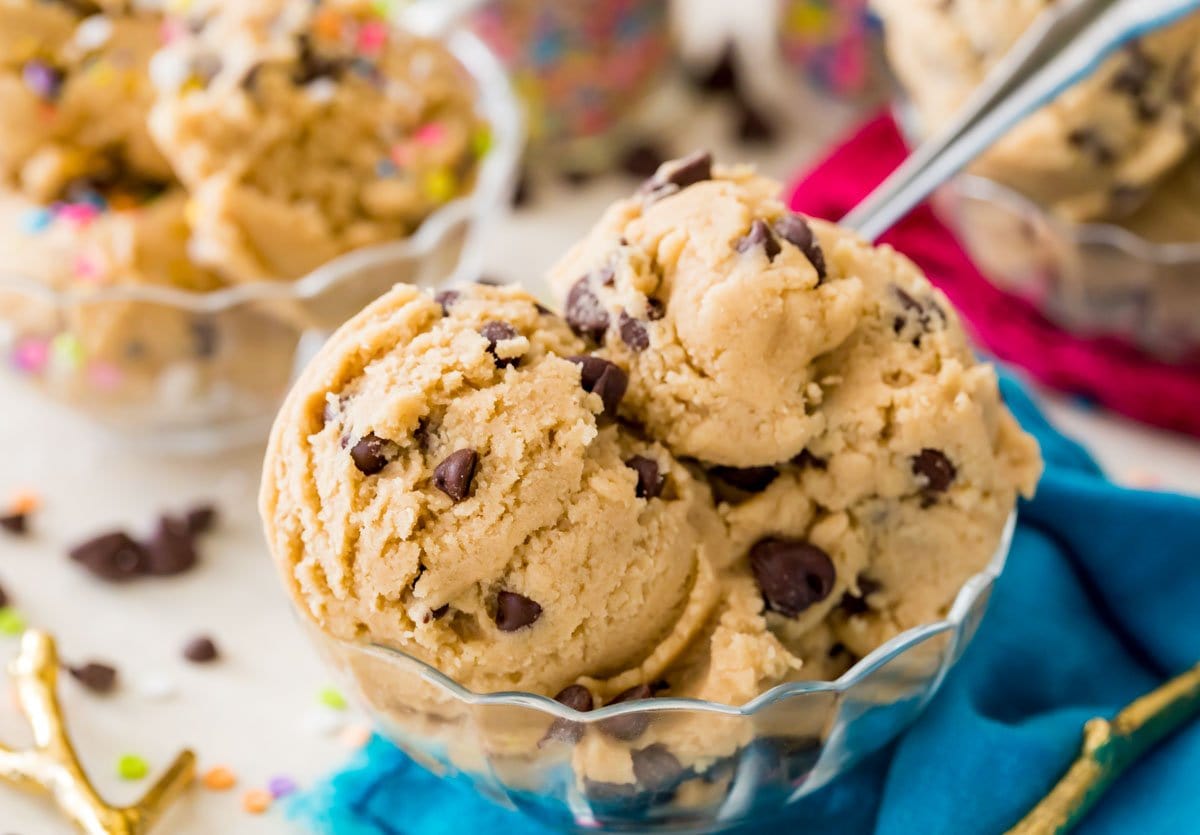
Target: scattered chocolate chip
[201, 519]
[577, 697]
[113, 556]
[97, 677]
[791, 758]
[795, 230]
[649, 481]
[455, 475]
[722, 76]
[792, 574]
[1091, 142]
[633, 333]
[679, 174]
[447, 298]
[925, 313]
[655, 310]
[805, 459]
[656, 768]
[515, 611]
[44, 80]
[599, 376]
[372, 453]
[1136, 72]
[749, 479]
[856, 604]
[16, 524]
[584, 312]
[201, 650]
[172, 549]
[759, 235]
[495, 333]
[753, 127]
[935, 468]
[642, 159]
[632, 725]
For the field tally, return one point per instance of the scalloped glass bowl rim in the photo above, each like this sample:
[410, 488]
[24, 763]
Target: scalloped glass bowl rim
[964, 604]
[502, 113]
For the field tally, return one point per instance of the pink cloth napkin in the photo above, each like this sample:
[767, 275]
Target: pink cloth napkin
[1102, 370]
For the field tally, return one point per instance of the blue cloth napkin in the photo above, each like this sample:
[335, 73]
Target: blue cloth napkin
[1100, 603]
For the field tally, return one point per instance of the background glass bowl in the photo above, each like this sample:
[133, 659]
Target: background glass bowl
[194, 372]
[660, 765]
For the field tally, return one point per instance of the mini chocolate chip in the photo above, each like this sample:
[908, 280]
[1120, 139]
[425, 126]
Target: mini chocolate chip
[1091, 142]
[97, 677]
[649, 481]
[935, 468]
[722, 76]
[599, 376]
[171, 550]
[372, 453]
[805, 459]
[447, 298]
[856, 604]
[16, 524]
[201, 650]
[44, 80]
[113, 556]
[642, 159]
[679, 174]
[455, 475]
[633, 332]
[749, 479]
[759, 234]
[795, 230]
[792, 574]
[495, 333]
[753, 126]
[584, 312]
[655, 767]
[201, 519]
[515, 611]
[629, 726]
[655, 310]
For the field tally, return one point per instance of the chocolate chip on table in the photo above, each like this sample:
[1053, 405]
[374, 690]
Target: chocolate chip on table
[372, 453]
[599, 376]
[856, 604]
[201, 650]
[759, 235]
[935, 468]
[679, 174]
[749, 479]
[655, 767]
[201, 519]
[791, 574]
[642, 159]
[632, 725]
[633, 333]
[584, 312]
[97, 677]
[752, 126]
[515, 611]
[795, 230]
[454, 475]
[16, 524]
[172, 549]
[44, 80]
[805, 459]
[447, 298]
[649, 481]
[495, 333]
[112, 556]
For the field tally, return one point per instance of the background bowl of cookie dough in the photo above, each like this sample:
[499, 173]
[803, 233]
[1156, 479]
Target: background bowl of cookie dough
[185, 372]
[678, 765]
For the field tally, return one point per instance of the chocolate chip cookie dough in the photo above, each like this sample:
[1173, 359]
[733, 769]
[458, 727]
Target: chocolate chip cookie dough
[306, 130]
[1095, 152]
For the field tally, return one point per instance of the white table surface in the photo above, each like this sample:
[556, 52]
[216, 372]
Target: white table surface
[253, 710]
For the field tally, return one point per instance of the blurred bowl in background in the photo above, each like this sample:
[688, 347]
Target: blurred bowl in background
[190, 372]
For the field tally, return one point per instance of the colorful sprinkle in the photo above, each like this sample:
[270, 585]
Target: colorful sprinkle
[67, 350]
[12, 623]
[37, 220]
[219, 779]
[402, 154]
[431, 133]
[481, 141]
[281, 786]
[104, 376]
[78, 214]
[256, 801]
[372, 37]
[386, 168]
[439, 185]
[88, 267]
[31, 355]
[132, 767]
[332, 698]
[25, 501]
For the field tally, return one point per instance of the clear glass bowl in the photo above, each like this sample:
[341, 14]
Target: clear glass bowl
[659, 765]
[192, 372]
[1094, 280]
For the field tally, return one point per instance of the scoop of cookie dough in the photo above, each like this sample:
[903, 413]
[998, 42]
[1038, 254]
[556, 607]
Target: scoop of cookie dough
[309, 129]
[716, 300]
[75, 95]
[1096, 150]
[446, 479]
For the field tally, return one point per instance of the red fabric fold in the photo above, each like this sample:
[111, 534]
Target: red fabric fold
[1104, 370]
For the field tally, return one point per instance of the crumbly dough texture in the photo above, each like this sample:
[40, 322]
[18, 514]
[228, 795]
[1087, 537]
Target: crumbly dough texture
[1095, 152]
[307, 130]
